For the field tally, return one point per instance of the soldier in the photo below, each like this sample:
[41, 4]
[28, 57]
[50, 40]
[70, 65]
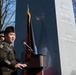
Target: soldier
[1, 36]
[8, 63]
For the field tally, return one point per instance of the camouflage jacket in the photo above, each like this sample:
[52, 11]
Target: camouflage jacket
[7, 58]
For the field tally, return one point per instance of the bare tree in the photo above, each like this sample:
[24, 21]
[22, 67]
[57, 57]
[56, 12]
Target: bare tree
[8, 8]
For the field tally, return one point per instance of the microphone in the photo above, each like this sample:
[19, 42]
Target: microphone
[30, 49]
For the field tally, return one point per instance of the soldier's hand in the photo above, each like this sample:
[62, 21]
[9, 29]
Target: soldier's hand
[20, 66]
[24, 65]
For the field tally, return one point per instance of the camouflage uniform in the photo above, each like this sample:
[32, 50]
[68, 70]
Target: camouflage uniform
[7, 59]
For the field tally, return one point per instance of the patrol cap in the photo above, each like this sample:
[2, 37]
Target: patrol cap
[9, 29]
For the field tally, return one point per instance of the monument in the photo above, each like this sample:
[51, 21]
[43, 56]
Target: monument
[55, 33]
[66, 35]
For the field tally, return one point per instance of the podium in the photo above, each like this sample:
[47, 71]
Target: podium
[36, 65]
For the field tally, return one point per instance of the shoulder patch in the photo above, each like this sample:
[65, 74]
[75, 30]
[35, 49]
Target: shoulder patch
[1, 46]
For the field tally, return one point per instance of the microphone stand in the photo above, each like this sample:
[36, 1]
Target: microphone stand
[30, 49]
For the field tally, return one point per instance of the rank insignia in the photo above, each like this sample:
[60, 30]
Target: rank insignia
[1, 46]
